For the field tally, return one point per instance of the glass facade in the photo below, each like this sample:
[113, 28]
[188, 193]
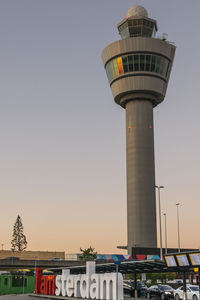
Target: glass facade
[137, 27]
[141, 27]
[141, 62]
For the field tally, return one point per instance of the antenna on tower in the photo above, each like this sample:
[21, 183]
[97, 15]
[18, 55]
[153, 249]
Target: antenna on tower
[164, 36]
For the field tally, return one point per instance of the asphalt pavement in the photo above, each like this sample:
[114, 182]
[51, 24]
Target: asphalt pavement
[19, 297]
[16, 297]
[27, 297]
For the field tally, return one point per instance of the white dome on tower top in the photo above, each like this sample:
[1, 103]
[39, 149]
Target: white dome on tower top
[137, 11]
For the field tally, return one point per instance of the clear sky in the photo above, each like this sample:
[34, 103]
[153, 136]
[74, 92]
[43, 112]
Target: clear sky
[62, 153]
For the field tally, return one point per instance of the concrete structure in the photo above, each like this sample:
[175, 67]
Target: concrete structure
[72, 256]
[10, 264]
[32, 255]
[138, 69]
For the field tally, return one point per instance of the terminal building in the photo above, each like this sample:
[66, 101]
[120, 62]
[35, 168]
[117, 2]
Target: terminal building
[32, 255]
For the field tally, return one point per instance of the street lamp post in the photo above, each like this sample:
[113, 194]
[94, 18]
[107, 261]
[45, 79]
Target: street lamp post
[178, 227]
[165, 232]
[160, 187]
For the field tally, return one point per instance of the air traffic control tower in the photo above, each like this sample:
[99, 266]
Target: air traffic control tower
[138, 68]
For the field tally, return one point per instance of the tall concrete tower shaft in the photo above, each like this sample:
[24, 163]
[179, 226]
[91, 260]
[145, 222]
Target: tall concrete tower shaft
[141, 210]
[138, 69]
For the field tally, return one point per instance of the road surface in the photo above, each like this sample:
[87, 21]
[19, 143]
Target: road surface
[26, 297]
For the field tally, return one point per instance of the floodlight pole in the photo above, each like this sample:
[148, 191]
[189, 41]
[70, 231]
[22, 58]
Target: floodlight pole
[165, 232]
[160, 187]
[177, 206]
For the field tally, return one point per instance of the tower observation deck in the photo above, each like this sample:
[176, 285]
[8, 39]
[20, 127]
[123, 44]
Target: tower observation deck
[138, 68]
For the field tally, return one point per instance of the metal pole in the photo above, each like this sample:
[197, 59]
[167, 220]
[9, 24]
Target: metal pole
[160, 223]
[165, 233]
[12, 254]
[117, 281]
[35, 265]
[191, 278]
[199, 282]
[177, 205]
[184, 287]
[23, 281]
[160, 187]
[136, 292]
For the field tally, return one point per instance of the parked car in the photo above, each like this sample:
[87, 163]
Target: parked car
[178, 280]
[163, 291]
[129, 288]
[176, 283]
[192, 292]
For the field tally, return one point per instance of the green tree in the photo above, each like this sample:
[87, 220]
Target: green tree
[18, 242]
[163, 277]
[88, 254]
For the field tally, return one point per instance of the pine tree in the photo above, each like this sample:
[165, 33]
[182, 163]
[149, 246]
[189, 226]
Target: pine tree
[18, 242]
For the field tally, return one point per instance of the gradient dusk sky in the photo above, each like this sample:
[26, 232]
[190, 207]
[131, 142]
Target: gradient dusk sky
[63, 161]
